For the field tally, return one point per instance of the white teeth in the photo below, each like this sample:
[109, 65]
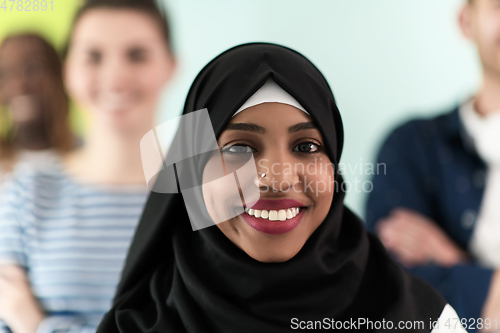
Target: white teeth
[115, 100]
[274, 215]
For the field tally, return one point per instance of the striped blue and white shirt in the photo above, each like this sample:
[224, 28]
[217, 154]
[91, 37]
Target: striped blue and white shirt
[72, 238]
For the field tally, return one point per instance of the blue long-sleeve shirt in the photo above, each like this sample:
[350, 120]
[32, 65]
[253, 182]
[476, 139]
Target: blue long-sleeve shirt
[71, 238]
[432, 168]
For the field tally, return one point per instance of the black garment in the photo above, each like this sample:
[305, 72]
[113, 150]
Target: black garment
[177, 280]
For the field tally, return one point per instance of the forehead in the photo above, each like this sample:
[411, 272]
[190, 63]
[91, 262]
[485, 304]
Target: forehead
[271, 120]
[21, 50]
[105, 27]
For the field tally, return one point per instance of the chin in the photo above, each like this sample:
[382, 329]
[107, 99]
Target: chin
[276, 256]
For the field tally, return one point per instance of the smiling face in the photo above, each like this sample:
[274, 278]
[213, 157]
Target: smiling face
[117, 66]
[23, 74]
[21, 68]
[297, 190]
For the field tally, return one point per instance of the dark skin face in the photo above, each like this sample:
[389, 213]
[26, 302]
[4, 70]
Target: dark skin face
[281, 139]
[21, 69]
[23, 75]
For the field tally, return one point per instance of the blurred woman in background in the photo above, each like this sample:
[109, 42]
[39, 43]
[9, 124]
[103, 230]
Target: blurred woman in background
[33, 103]
[65, 231]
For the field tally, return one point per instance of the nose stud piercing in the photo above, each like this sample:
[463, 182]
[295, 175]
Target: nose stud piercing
[262, 175]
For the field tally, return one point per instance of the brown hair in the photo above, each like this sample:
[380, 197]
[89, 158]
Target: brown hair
[55, 102]
[149, 7]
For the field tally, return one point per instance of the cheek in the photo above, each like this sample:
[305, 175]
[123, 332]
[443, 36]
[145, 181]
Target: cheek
[320, 186]
[220, 192]
[81, 83]
[209, 194]
[151, 80]
[319, 179]
[488, 29]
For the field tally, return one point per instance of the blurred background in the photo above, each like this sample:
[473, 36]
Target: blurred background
[386, 61]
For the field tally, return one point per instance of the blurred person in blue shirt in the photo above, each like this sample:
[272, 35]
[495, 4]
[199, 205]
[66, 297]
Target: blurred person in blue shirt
[437, 209]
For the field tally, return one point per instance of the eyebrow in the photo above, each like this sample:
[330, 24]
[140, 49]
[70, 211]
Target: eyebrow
[301, 127]
[250, 127]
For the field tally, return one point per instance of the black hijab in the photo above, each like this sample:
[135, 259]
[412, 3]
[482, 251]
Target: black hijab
[179, 280]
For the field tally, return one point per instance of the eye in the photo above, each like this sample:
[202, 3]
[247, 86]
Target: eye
[137, 55]
[307, 147]
[94, 57]
[237, 150]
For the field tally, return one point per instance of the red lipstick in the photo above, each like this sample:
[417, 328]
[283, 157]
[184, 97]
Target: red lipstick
[273, 227]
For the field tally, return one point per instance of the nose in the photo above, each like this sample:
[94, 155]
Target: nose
[116, 74]
[277, 174]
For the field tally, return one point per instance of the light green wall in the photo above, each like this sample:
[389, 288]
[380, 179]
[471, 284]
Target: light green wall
[53, 25]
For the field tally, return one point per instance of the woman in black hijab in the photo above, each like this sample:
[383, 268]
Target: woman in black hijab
[295, 259]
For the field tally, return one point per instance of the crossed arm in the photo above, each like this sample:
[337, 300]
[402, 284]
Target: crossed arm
[18, 307]
[415, 240]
